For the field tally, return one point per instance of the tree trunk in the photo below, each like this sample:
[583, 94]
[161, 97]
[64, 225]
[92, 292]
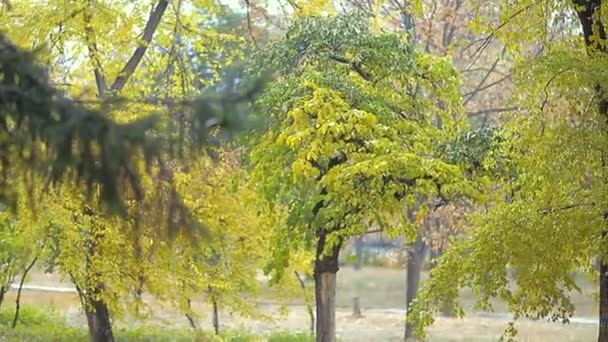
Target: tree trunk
[216, 317]
[603, 333]
[357, 308]
[2, 292]
[18, 299]
[415, 257]
[325, 294]
[326, 269]
[98, 319]
[189, 316]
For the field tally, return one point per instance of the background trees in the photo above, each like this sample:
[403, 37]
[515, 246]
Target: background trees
[547, 218]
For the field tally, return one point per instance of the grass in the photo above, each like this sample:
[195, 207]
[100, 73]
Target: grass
[378, 288]
[47, 324]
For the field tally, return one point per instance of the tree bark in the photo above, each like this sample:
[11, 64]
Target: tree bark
[129, 68]
[325, 273]
[216, 317]
[2, 292]
[18, 299]
[98, 319]
[189, 316]
[357, 307]
[415, 257]
[603, 312]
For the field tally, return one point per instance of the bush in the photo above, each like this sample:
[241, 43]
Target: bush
[36, 324]
[44, 333]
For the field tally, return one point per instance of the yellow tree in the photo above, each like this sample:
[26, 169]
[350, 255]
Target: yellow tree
[548, 218]
[139, 53]
[351, 134]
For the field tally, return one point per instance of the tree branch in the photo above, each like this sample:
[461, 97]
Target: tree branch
[492, 110]
[133, 62]
[471, 95]
[488, 39]
[250, 26]
[355, 66]
[489, 85]
[550, 210]
[89, 35]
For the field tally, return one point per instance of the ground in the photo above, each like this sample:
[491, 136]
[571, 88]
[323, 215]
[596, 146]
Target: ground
[382, 297]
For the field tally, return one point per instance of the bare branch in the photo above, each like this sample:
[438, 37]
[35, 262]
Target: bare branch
[546, 88]
[249, 26]
[492, 111]
[479, 89]
[89, 35]
[355, 66]
[133, 62]
[488, 39]
[551, 210]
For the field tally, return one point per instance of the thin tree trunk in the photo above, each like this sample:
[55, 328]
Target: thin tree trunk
[325, 273]
[311, 313]
[190, 318]
[3, 291]
[18, 299]
[216, 317]
[415, 258]
[603, 305]
[357, 308]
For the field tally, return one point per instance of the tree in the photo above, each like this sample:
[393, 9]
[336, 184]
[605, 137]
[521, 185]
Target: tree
[73, 130]
[443, 28]
[351, 135]
[548, 217]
